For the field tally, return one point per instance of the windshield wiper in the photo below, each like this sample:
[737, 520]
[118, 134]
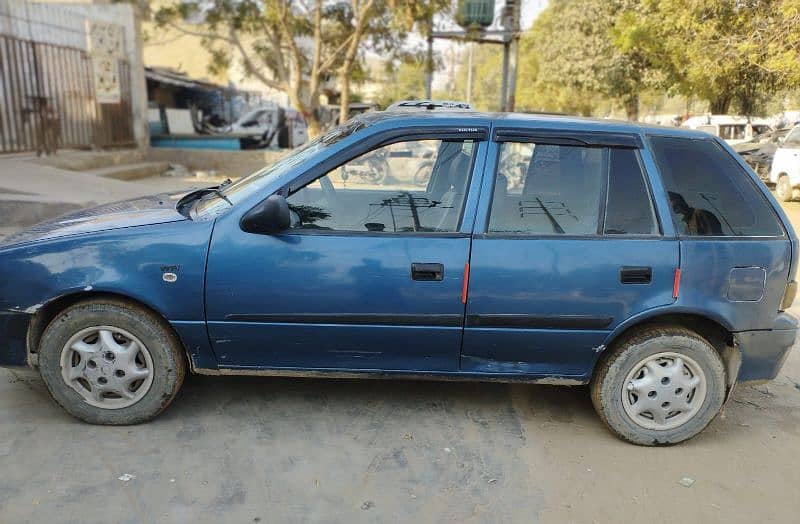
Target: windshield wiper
[218, 192]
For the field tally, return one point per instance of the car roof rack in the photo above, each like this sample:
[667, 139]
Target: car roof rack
[429, 105]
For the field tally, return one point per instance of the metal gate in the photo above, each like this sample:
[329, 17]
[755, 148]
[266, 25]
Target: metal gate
[47, 98]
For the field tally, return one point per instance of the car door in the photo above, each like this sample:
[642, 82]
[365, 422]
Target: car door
[787, 158]
[370, 274]
[567, 247]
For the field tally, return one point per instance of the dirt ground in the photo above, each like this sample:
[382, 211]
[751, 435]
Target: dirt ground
[301, 450]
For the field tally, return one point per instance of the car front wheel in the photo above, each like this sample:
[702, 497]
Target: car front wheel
[111, 363]
[660, 386]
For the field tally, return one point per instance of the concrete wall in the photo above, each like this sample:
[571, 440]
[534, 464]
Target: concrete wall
[229, 163]
[124, 15]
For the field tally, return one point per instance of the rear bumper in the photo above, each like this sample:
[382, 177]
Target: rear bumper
[13, 339]
[765, 351]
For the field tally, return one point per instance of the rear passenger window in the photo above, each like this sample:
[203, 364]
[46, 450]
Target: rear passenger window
[548, 189]
[709, 193]
[629, 210]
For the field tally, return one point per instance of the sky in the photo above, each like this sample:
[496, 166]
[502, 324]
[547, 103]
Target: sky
[530, 10]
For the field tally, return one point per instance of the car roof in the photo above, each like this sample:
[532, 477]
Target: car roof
[524, 120]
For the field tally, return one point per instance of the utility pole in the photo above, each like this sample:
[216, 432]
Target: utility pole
[475, 17]
[470, 53]
[429, 64]
[504, 76]
[511, 23]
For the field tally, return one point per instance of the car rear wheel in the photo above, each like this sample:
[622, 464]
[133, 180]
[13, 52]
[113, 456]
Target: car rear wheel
[111, 363]
[783, 189]
[659, 386]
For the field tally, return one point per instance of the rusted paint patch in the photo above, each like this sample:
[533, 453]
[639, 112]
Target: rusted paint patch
[29, 311]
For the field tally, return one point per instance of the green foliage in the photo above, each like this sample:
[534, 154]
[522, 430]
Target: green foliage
[580, 45]
[735, 54]
[299, 47]
[486, 81]
[404, 80]
[718, 51]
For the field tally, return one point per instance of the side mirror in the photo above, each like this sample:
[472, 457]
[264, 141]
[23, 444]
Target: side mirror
[269, 217]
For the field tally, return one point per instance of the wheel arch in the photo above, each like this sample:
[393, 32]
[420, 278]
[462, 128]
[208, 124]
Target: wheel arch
[713, 329]
[45, 314]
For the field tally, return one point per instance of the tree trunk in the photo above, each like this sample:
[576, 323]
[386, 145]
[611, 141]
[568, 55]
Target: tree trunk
[344, 97]
[747, 104]
[313, 126]
[719, 105]
[312, 120]
[350, 59]
[631, 103]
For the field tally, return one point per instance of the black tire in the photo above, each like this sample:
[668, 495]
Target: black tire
[783, 189]
[168, 359]
[608, 383]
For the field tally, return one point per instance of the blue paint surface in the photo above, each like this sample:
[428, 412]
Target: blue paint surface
[537, 306]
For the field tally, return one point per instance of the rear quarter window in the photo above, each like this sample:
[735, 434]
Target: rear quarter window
[710, 194]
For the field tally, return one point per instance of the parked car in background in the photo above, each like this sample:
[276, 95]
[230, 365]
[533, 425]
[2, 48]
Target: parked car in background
[731, 129]
[648, 263]
[271, 126]
[785, 171]
[329, 113]
[759, 152]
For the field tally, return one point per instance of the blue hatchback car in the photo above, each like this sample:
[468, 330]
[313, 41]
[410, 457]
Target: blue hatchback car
[649, 263]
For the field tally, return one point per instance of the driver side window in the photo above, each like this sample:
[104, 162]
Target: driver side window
[411, 186]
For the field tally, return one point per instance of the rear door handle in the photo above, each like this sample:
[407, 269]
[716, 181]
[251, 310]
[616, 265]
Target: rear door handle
[635, 274]
[423, 271]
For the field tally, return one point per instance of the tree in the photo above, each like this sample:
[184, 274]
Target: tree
[486, 81]
[384, 26]
[297, 46]
[547, 91]
[290, 46]
[403, 79]
[362, 15]
[581, 56]
[730, 53]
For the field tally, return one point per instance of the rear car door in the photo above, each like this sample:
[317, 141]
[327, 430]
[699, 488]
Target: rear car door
[735, 253]
[567, 246]
[370, 274]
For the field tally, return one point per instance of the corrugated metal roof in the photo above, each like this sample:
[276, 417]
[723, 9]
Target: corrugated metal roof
[167, 76]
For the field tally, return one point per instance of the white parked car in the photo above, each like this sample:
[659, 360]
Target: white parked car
[785, 171]
[732, 129]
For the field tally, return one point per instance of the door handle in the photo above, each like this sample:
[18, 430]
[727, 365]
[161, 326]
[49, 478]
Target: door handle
[422, 271]
[635, 274]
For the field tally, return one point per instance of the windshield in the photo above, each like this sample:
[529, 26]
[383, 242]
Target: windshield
[232, 194]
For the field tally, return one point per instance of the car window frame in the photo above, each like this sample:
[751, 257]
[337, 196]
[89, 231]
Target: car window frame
[477, 133]
[648, 187]
[579, 138]
[753, 180]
